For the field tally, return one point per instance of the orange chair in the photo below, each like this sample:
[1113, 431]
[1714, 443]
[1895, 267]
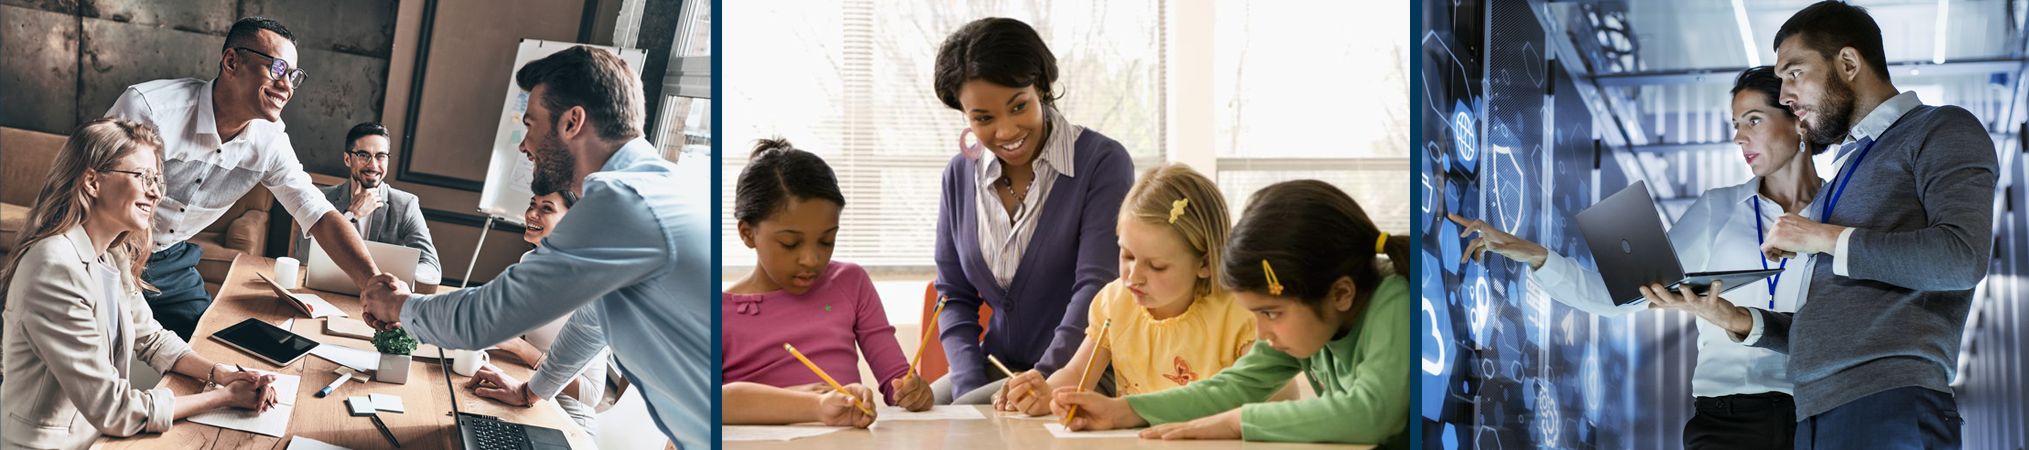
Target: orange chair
[934, 365]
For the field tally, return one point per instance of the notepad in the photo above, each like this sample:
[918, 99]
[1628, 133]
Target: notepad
[360, 406]
[352, 328]
[317, 306]
[309, 304]
[275, 422]
[771, 433]
[303, 443]
[386, 402]
[942, 412]
[358, 360]
[1058, 431]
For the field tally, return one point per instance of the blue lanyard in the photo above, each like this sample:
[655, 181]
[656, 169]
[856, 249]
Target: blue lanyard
[1845, 176]
[1758, 239]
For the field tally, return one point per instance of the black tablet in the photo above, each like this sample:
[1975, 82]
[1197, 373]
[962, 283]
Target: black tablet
[268, 342]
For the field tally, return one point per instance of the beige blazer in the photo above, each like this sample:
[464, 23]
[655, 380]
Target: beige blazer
[63, 379]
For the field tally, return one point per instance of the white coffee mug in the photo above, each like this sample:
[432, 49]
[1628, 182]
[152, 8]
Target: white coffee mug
[468, 362]
[285, 272]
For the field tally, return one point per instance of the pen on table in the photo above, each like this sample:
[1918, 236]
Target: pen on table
[1003, 369]
[390, 435]
[1088, 370]
[929, 330]
[827, 378]
[334, 385]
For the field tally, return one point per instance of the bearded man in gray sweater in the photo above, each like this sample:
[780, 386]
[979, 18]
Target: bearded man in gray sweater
[1897, 240]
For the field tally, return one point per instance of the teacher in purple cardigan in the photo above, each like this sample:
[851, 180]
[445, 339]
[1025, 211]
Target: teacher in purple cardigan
[1027, 216]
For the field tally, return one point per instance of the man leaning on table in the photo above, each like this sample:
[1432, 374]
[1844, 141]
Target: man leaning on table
[220, 138]
[635, 252]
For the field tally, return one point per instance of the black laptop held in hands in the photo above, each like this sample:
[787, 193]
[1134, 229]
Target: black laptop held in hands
[1632, 250]
[479, 432]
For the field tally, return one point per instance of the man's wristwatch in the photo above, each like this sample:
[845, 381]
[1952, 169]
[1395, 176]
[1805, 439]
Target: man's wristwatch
[527, 396]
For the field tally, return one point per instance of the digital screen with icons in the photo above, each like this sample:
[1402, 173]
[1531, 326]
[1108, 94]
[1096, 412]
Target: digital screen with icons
[1509, 141]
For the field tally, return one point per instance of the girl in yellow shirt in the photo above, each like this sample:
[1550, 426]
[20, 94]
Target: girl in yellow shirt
[1171, 322]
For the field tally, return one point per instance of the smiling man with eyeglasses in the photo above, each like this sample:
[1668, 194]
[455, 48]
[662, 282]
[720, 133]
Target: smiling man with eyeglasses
[220, 138]
[376, 210]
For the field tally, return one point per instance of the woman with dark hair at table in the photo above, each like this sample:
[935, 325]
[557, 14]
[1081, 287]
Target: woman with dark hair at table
[1025, 226]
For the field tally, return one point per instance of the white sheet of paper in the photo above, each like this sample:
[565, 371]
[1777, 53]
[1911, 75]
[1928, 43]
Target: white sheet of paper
[358, 360]
[275, 422]
[386, 402]
[318, 307]
[1058, 431]
[289, 324]
[942, 412]
[771, 433]
[303, 443]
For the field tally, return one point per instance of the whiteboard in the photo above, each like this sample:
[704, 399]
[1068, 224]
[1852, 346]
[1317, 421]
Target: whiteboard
[505, 195]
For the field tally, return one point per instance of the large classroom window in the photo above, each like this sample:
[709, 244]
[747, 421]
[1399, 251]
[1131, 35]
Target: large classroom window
[851, 81]
[1337, 111]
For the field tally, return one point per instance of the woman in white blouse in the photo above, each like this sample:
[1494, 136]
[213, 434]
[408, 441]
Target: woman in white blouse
[1743, 393]
[74, 316]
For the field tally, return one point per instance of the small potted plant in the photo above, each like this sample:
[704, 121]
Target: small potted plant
[394, 346]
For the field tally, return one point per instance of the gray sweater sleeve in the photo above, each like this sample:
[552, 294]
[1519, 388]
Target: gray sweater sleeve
[1955, 172]
[1774, 330]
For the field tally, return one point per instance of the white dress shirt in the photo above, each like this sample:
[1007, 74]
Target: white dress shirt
[1717, 233]
[204, 173]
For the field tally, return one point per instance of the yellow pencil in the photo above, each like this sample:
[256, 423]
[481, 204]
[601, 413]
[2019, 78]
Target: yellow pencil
[1088, 369]
[1010, 373]
[928, 330]
[827, 378]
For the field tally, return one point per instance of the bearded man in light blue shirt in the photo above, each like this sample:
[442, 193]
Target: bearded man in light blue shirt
[634, 252]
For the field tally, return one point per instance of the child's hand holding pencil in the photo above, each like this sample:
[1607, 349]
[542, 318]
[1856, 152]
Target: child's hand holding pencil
[912, 393]
[1095, 411]
[842, 409]
[1020, 392]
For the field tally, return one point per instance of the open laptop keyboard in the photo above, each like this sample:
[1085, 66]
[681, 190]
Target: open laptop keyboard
[497, 435]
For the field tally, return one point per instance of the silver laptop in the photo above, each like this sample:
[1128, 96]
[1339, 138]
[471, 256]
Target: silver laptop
[326, 276]
[1632, 250]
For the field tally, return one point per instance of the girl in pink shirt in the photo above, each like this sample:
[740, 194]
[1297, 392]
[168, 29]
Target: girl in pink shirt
[787, 203]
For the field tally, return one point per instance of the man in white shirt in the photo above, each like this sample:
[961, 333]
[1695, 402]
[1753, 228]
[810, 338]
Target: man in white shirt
[220, 138]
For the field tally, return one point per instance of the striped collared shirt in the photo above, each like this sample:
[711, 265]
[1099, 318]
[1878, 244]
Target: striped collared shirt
[1002, 239]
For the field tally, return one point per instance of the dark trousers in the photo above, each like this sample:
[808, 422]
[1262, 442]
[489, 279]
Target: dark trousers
[1900, 418]
[1743, 421]
[181, 300]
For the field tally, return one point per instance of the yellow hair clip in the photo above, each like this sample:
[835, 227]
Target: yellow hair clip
[1176, 208]
[1274, 284]
[1381, 245]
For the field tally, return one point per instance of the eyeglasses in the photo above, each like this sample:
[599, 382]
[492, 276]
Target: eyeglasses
[374, 156]
[279, 69]
[152, 179]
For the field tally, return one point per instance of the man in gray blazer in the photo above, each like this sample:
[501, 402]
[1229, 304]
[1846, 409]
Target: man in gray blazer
[380, 213]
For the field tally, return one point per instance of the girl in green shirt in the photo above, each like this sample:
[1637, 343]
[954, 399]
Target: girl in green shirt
[1304, 259]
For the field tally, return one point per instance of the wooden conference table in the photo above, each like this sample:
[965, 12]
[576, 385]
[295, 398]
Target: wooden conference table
[998, 431]
[427, 424]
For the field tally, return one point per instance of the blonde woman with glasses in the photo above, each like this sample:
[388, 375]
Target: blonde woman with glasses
[74, 316]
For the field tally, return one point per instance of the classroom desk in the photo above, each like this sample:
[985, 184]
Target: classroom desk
[998, 431]
[427, 424]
